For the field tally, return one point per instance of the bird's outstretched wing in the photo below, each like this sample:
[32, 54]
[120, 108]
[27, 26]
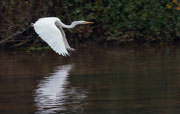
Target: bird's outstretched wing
[49, 32]
[64, 37]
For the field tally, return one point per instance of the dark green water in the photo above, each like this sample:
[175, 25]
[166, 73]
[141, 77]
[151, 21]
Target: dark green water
[91, 81]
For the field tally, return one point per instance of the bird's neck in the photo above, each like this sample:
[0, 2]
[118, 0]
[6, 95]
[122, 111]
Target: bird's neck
[67, 26]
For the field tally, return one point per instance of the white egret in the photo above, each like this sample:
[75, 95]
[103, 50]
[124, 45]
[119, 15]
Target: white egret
[50, 30]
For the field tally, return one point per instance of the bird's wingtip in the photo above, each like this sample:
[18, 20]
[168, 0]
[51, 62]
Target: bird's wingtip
[64, 54]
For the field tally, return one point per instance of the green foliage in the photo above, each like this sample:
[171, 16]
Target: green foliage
[115, 20]
[32, 48]
[123, 20]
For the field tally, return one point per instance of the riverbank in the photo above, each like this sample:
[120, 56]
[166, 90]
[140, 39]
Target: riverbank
[115, 22]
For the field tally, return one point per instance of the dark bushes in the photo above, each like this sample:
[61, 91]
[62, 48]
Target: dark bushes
[118, 21]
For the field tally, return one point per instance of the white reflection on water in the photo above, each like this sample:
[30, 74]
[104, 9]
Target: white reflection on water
[52, 95]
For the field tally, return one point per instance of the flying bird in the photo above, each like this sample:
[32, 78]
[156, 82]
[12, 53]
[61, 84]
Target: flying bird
[50, 29]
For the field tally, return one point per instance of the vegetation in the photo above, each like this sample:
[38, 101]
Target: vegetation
[116, 21]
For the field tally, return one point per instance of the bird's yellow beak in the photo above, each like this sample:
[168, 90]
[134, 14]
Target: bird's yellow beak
[88, 22]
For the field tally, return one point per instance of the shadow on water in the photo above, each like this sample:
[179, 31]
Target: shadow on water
[91, 81]
[49, 94]
[53, 95]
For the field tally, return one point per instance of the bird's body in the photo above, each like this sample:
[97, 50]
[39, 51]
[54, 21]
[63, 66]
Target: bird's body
[50, 30]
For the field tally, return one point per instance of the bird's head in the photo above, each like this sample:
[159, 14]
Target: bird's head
[82, 22]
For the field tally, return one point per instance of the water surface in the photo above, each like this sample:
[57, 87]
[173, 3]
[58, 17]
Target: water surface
[95, 80]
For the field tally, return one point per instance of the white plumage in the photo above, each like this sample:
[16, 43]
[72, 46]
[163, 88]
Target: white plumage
[50, 30]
